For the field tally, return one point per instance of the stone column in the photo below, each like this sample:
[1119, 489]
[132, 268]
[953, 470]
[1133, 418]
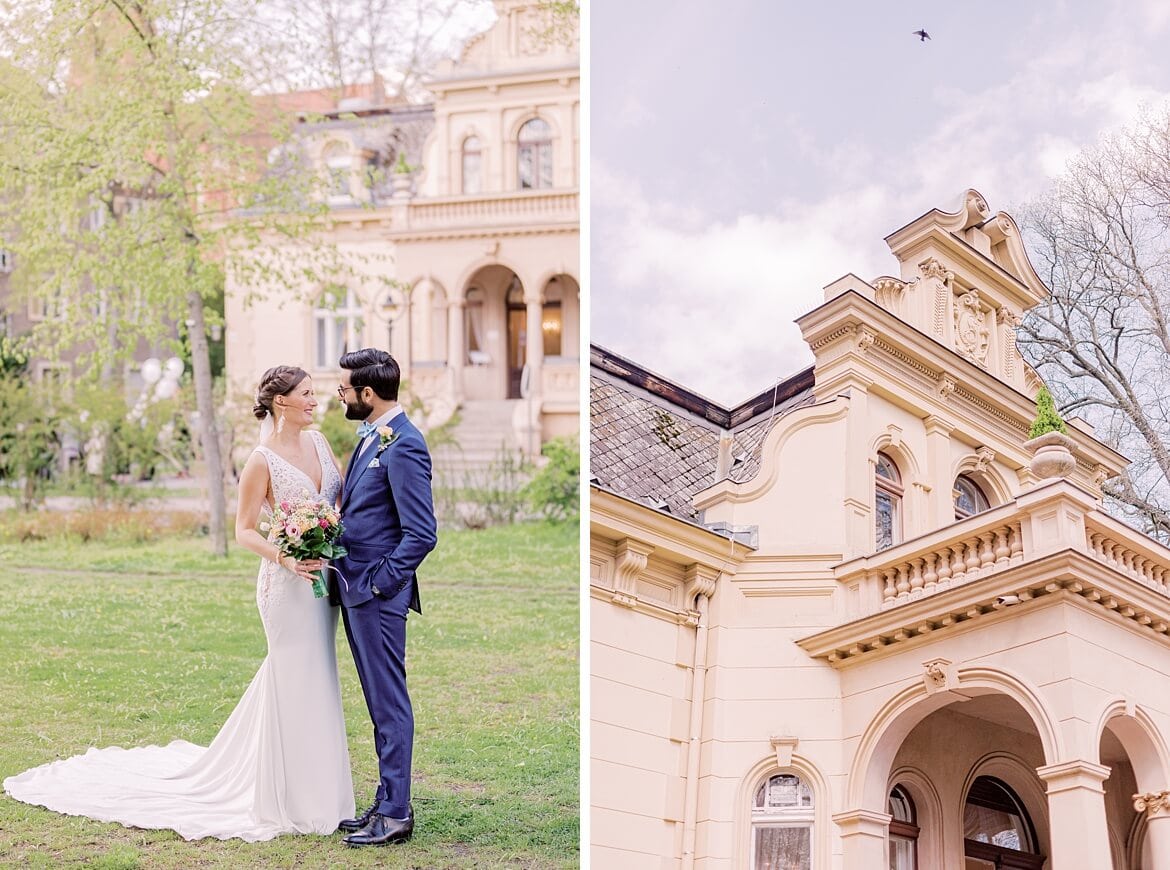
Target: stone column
[1156, 806]
[455, 345]
[864, 836]
[423, 309]
[534, 346]
[496, 156]
[1079, 834]
[938, 460]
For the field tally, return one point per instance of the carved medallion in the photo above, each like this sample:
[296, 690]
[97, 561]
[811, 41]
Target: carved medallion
[972, 334]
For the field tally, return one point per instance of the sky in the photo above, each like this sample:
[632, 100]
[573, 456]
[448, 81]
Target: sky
[745, 154]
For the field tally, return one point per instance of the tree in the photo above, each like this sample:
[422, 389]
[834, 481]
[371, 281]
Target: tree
[129, 141]
[392, 44]
[1101, 240]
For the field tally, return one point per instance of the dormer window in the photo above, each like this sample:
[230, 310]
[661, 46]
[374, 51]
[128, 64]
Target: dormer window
[887, 503]
[969, 498]
[338, 166]
[535, 155]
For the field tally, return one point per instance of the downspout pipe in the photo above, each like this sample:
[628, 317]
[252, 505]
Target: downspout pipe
[702, 584]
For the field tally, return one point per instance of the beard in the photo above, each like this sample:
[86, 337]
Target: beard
[357, 409]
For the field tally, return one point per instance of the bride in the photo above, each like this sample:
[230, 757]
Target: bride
[280, 763]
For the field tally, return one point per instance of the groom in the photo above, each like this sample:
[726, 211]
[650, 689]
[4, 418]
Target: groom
[389, 523]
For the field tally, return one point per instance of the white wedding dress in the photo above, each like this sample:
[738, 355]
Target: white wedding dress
[279, 765]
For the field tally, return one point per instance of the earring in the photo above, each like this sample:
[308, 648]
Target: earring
[280, 423]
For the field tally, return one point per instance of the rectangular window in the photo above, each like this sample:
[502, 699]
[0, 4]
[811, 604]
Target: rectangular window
[339, 182]
[782, 848]
[322, 343]
[526, 166]
[550, 327]
[471, 172]
[885, 519]
[901, 854]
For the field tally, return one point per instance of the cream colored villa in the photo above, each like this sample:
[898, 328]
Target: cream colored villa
[461, 218]
[853, 622]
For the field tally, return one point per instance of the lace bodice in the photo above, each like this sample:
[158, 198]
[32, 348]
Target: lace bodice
[290, 482]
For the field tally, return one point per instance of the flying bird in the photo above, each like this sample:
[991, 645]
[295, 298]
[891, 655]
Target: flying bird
[922, 35]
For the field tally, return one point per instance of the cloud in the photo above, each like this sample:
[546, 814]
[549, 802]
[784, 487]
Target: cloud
[708, 300]
[712, 306]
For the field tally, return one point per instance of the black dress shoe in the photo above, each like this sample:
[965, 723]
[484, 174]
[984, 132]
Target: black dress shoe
[382, 831]
[356, 824]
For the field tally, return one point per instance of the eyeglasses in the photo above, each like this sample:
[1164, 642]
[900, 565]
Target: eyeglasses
[341, 391]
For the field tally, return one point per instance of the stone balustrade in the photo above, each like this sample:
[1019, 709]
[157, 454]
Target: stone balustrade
[560, 379]
[501, 208]
[1037, 523]
[1145, 564]
[960, 561]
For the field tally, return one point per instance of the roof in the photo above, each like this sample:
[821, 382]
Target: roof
[654, 441]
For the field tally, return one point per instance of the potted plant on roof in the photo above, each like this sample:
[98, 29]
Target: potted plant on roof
[401, 179]
[1049, 442]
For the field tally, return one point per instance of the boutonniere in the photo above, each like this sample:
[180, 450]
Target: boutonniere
[386, 437]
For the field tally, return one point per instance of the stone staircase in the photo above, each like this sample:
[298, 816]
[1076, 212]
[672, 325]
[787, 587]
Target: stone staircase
[485, 428]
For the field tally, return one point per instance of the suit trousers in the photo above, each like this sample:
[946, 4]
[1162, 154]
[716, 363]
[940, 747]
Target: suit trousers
[376, 630]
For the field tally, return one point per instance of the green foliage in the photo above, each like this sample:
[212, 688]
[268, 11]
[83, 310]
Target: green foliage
[103, 523]
[137, 644]
[129, 141]
[1047, 418]
[116, 446]
[401, 166]
[555, 490]
[341, 433]
[29, 438]
[493, 496]
[13, 359]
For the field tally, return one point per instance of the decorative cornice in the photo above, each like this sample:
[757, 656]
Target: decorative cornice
[1076, 774]
[631, 561]
[700, 580]
[946, 386]
[932, 268]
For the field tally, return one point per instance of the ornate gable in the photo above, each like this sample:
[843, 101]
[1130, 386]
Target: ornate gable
[965, 280]
[525, 35]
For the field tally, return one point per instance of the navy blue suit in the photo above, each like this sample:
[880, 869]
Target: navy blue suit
[389, 518]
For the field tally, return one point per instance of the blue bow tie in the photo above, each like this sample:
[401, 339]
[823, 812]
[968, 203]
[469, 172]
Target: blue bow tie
[365, 430]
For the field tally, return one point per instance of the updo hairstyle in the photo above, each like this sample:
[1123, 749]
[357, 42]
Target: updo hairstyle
[277, 381]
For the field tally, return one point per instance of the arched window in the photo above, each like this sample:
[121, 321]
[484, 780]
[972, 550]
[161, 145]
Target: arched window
[338, 165]
[782, 824]
[535, 155]
[472, 165]
[969, 498]
[887, 500]
[337, 326]
[903, 831]
[996, 829]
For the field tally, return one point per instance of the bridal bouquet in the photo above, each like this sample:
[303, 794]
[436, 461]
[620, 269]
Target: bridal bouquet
[307, 529]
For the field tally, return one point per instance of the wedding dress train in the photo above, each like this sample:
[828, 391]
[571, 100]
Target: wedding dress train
[279, 764]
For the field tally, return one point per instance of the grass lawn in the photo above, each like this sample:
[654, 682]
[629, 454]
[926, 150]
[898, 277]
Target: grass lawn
[130, 644]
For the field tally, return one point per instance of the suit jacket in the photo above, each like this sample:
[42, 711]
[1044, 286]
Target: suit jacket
[389, 518]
